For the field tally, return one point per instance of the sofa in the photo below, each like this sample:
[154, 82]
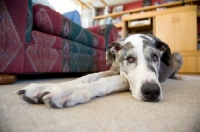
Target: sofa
[37, 39]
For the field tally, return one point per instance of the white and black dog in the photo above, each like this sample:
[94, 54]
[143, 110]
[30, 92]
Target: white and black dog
[138, 63]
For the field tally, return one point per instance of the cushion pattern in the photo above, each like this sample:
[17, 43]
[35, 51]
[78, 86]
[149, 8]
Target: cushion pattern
[56, 45]
[12, 36]
[109, 32]
[29, 21]
[48, 53]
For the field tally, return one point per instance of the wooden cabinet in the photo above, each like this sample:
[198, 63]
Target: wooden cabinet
[189, 64]
[178, 30]
[198, 64]
[186, 31]
[165, 29]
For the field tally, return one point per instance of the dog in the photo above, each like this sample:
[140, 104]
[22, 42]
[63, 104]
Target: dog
[139, 62]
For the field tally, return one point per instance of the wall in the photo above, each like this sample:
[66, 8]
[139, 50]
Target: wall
[44, 2]
[60, 6]
[154, 1]
[86, 18]
[63, 6]
[133, 5]
[138, 4]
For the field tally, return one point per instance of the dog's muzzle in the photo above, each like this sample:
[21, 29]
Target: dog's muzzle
[150, 91]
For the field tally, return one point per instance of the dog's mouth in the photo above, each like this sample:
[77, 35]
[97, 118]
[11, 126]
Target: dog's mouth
[146, 100]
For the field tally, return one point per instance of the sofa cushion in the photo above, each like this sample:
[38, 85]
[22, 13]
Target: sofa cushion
[47, 20]
[108, 31]
[86, 63]
[29, 21]
[48, 53]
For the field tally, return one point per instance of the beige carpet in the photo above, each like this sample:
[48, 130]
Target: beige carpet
[119, 112]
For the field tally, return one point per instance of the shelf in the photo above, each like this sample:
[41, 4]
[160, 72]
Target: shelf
[144, 27]
[198, 40]
[154, 13]
[143, 8]
[139, 23]
[118, 25]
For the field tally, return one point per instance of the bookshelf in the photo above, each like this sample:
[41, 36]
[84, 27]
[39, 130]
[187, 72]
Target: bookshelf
[148, 8]
[116, 18]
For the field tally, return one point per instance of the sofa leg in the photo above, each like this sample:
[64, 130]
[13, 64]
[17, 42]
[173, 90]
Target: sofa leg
[7, 79]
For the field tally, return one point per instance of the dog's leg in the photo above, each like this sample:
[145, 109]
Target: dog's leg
[33, 93]
[165, 71]
[66, 96]
[93, 77]
[176, 64]
[114, 70]
[180, 77]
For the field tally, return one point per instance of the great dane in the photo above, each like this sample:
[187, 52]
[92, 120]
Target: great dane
[139, 62]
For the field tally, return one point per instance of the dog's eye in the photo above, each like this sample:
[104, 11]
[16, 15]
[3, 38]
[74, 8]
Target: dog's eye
[130, 59]
[155, 57]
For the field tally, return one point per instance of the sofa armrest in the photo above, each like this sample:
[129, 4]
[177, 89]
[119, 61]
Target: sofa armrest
[109, 32]
[13, 26]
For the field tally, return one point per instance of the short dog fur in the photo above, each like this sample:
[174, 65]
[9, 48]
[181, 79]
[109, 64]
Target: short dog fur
[139, 63]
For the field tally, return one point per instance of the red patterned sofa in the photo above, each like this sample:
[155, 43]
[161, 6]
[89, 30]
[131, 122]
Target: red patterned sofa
[39, 40]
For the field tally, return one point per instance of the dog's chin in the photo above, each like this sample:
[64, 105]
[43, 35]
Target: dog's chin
[157, 100]
[143, 99]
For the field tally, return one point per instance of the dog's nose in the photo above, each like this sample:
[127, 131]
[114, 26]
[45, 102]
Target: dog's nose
[150, 91]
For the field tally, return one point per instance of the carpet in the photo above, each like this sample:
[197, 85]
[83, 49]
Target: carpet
[118, 112]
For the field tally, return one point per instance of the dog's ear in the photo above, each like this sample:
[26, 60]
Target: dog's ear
[165, 51]
[112, 52]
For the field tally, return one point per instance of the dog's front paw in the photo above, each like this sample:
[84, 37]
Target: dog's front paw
[66, 97]
[33, 93]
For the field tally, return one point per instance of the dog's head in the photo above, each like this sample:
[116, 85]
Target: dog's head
[139, 57]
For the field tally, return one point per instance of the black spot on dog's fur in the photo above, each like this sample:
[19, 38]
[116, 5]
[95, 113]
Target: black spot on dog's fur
[52, 104]
[149, 50]
[145, 38]
[156, 42]
[20, 92]
[150, 67]
[27, 99]
[41, 96]
[125, 49]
